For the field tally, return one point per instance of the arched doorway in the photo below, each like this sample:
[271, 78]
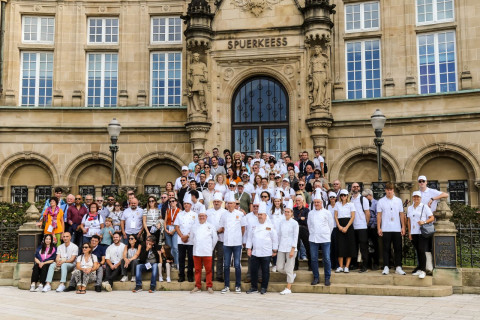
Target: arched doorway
[260, 116]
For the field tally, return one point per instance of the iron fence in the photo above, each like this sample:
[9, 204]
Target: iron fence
[8, 241]
[468, 245]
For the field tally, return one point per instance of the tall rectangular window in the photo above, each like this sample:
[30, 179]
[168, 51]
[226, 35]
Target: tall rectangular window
[102, 78]
[103, 30]
[85, 190]
[19, 194]
[437, 62]
[36, 79]
[457, 190]
[434, 11]
[166, 78]
[166, 29]
[38, 29]
[363, 69]
[42, 193]
[362, 16]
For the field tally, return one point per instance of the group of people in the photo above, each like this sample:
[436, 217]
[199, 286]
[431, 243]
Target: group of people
[276, 210]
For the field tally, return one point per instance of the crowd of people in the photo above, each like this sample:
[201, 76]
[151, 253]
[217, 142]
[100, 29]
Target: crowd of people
[278, 211]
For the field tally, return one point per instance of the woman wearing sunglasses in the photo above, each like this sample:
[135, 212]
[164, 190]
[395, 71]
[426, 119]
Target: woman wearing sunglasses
[85, 272]
[116, 216]
[130, 258]
[151, 215]
[344, 216]
[171, 236]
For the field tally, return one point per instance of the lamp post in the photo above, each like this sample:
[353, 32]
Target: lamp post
[114, 129]
[378, 122]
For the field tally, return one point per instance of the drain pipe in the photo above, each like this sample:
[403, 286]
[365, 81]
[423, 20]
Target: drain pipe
[2, 40]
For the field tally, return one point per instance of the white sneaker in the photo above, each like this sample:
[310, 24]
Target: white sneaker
[47, 288]
[133, 279]
[60, 288]
[168, 280]
[346, 270]
[124, 279]
[32, 288]
[270, 264]
[106, 285]
[294, 276]
[399, 270]
[238, 290]
[416, 273]
[386, 270]
[160, 279]
[39, 288]
[225, 290]
[274, 269]
[339, 269]
[422, 275]
[286, 291]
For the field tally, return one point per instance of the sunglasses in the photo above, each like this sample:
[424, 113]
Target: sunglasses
[172, 201]
[151, 200]
[343, 195]
[86, 247]
[301, 185]
[332, 197]
[264, 196]
[131, 238]
[99, 200]
[421, 181]
[78, 198]
[117, 205]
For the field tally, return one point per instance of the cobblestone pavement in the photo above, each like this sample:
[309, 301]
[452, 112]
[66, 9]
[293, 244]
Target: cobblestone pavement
[22, 304]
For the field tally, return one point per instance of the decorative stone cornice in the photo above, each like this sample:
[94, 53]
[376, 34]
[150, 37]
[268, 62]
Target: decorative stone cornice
[404, 186]
[319, 122]
[198, 126]
[323, 4]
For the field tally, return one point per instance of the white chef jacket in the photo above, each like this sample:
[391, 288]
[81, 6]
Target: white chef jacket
[263, 239]
[114, 253]
[277, 217]
[360, 221]
[320, 225]
[390, 209]
[204, 238]
[233, 223]
[186, 220]
[213, 217]
[420, 213]
[288, 235]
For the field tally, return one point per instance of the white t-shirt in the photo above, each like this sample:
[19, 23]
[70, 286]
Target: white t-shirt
[390, 209]
[248, 188]
[233, 223]
[133, 220]
[92, 226]
[66, 253]
[344, 211]
[360, 221]
[332, 211]
[114, 253]
[428, 194]
[317, 161]
[87, 264]
[186, 220]
[422, 212]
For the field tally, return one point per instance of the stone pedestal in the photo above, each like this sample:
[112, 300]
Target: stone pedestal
[444, 240]
[29, 236]
[198, 135]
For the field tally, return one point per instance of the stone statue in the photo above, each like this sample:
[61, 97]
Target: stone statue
[197, 84]
[319, 79]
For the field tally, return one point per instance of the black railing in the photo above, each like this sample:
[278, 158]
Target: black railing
[8, 241]
[468, 245]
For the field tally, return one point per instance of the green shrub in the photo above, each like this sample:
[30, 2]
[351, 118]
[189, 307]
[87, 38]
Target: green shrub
[464, 214]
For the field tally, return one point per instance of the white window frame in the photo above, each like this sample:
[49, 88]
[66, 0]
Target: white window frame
[364, 71]
[167, 24]
[39, 30]
[362, 17]
[37, 78]
[166, 104]
[104, 27]
[102, 81]
[435, 14]
[437, 62]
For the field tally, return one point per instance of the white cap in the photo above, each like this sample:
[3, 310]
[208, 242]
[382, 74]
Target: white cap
[202, 210]
[278, 195]
[187, 199]
[422, 178]
[278, 176]
[256, 201]
[246, 173]
[286, 179]
[262, 208]
[344, 191]
[332, 194]
[417, 193]
[258, 150]
[289, 205]
[318, 194]
[217, 196]
[184, 168]
[230, 196]
[232, 183]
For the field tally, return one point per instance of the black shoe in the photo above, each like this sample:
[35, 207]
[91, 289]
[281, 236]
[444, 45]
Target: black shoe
[315, 281]
[374, 267]
[415, 270]
[353, 268]
[252, 290]
[295, 269]
[98, 288]
[263, 291]
[362, 270]
[69, 288]
[327, 282]
[309, 268]
[219, 279]
[260, 280]
[181, 279]
[247, 281]
[190, 279]
[137, 289]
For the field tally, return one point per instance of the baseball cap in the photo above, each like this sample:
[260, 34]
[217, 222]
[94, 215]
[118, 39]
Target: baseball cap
[417, 193]
[184, 168]
[422, 178]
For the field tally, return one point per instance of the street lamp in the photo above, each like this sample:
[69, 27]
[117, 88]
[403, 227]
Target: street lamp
[114, 129]
[378, 122]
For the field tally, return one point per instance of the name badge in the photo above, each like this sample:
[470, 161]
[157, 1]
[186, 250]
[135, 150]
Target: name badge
[133, 224]
[148, 265]
[237, 217]
[50, 228]
[268, 228]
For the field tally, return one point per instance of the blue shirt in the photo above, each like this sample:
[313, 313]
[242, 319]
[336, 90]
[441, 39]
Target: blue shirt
[373, 215]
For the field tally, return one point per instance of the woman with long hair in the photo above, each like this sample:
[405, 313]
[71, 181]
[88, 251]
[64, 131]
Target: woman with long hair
[232, 176]
[344, 216]
[150, 216]
[220, 184]
[332, 200]
[44, 256]
[171, 236]
[228, 162]
[287, 246]
[92, 223]
[169, 186]
[208, 173]
[116, 215]
[277, 215]
[85, 272]
[130, 258]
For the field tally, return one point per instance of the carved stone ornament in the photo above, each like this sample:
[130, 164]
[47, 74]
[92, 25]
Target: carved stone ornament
[197, 83]
[319, 78]
[404, 186]
[441, 147]
[228, 74]
[255, 6]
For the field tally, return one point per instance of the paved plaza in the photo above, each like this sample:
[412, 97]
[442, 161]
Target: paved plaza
[21, 304]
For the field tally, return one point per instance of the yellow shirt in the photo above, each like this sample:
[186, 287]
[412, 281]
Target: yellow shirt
[59, 228]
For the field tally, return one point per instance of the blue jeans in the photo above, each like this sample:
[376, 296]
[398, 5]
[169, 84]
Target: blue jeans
[327, 266]
[138, 275]
[172, 242]
[227, 257]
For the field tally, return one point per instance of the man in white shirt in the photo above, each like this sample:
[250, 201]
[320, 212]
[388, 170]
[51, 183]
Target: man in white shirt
[204, 238]
[178, 183]
[131, 221]
[113, 258]
[391, 227]
[320, 227]
[258, 159]
[319, 162]
[247, 185]
[196, 204]
[262, 245]
[213, 216]
[362, 217]
[232, 224]
[209, 193]
[184, 222]
[65, 262]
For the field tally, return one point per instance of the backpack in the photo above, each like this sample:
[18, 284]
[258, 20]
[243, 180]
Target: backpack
[325, 168]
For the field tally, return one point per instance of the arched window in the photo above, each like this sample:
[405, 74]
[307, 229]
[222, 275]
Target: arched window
[260, 117]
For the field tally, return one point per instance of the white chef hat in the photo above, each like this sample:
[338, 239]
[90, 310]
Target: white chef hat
[262, 208]
[187, 199]
[202, 210]
[217, 196]
[289, 205]
[256, 201]
[230, 196]
[318, 194]
[278, 195]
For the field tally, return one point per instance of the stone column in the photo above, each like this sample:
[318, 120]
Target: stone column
[29, 236]
[405, 190]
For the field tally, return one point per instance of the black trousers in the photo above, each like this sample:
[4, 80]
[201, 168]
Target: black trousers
[361, 238]
[218, 254]
[264, 264]
[40, 274]
[111, 274]
[421, 245]
[185, 250]
[303, 237]
[394, 238]
[373, 237]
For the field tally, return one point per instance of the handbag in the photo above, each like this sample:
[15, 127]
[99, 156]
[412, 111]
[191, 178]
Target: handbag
[427, 229]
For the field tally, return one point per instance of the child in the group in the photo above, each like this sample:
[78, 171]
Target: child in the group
[168, 258]
[107, 232]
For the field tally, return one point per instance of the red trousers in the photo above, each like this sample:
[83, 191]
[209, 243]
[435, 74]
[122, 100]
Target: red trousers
[199, 263]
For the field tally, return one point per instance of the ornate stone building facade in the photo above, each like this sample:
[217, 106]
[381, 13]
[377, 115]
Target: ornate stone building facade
[279, 75]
